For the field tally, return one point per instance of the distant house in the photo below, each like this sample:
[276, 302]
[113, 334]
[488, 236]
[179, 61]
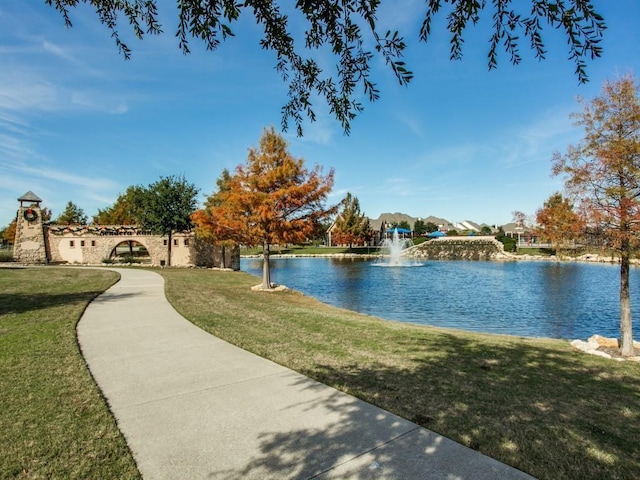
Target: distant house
[395, 218]
[442, 224]
[525, 235]
[383, 223]
[378, 227]
[468, 225]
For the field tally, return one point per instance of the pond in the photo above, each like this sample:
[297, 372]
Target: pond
[535, 299]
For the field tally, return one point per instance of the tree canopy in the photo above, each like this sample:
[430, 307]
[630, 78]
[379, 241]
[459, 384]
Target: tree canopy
[419, 227]
[350, 31]
[167, 206]
[271, 199]
[351, 225]
[557, 221]
[9, 232]
[603, 173]
[431, 227]
[72, 215]
[125, 211]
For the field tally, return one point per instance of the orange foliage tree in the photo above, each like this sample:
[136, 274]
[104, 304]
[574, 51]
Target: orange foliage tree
[557, 221]
[351, 226]
[9, 233]
[603, 171]
[271, 199]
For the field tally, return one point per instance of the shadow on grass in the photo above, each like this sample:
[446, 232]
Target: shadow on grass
[347, 438]
[26, 302]
[16, 303]
[547, 413]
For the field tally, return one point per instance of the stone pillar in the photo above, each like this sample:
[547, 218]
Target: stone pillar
[29, 245]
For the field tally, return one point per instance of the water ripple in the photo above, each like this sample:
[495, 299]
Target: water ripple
[539, 299]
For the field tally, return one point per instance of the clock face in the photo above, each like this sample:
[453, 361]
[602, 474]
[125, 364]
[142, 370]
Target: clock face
[30, 215]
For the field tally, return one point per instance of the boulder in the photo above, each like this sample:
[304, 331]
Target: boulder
[604, 341]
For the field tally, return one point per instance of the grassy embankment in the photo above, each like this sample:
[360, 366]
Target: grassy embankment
[535, 404]
[54, 423]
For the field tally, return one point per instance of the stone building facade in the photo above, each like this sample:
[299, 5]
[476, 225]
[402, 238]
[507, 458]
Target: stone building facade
[37, 242]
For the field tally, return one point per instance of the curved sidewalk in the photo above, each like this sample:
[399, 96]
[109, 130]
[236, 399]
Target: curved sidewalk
[193, 406]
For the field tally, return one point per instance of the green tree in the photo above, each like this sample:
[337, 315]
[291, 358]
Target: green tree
[485, 230]
[45, 214]
[452, 233]
[510, 244]
[431, 227]
[271, 199]
[403, 224]
[350, 31]
[351, 225]
[72, 215]
[167, 206]
[125, 211]
[603, 172]
[419, 227]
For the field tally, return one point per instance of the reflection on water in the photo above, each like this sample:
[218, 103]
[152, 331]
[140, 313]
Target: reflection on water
[542, 299]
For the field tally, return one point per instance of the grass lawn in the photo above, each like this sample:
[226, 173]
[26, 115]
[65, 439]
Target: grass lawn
[535, 404]
[54, 423]
[535, 251]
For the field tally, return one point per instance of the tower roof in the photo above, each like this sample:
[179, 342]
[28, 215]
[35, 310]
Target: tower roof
[30, 197]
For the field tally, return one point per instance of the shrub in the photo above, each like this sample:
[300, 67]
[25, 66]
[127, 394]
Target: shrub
[6, 255]
[128, 258]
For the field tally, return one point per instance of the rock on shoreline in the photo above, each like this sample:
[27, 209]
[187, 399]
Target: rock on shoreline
[605, 347]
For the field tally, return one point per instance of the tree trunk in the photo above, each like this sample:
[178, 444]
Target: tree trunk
[223, 260]
[626, 346]
[169, 250]
[131, 248]
[266, 271]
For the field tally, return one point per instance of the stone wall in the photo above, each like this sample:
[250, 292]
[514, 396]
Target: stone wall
[93, 244]
[458, 248]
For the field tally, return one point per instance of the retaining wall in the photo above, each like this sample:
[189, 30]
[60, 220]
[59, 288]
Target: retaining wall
[459, 248]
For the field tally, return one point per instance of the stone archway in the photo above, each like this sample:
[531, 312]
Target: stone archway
[151, 243]
[130, 251]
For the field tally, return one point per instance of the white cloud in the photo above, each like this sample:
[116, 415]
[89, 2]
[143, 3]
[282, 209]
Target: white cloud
[89, 182]
[411, 122]
[22, 90]
[59, 52]
[98, 102]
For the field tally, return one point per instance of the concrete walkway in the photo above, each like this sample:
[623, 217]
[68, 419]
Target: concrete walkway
[192, 406]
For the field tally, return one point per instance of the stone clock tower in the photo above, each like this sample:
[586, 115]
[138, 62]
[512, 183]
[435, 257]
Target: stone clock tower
[30, 245]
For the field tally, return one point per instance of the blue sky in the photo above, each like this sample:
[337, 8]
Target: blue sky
[77, 122]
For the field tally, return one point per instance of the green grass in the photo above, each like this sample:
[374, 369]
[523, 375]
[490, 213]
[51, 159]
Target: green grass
[54, 423]
[535, 251]
[535, 404]
[532, 403]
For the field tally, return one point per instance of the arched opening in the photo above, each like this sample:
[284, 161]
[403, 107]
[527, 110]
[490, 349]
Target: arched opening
[130, 251]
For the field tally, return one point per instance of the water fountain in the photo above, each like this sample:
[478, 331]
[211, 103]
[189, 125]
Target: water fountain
[395, 245]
